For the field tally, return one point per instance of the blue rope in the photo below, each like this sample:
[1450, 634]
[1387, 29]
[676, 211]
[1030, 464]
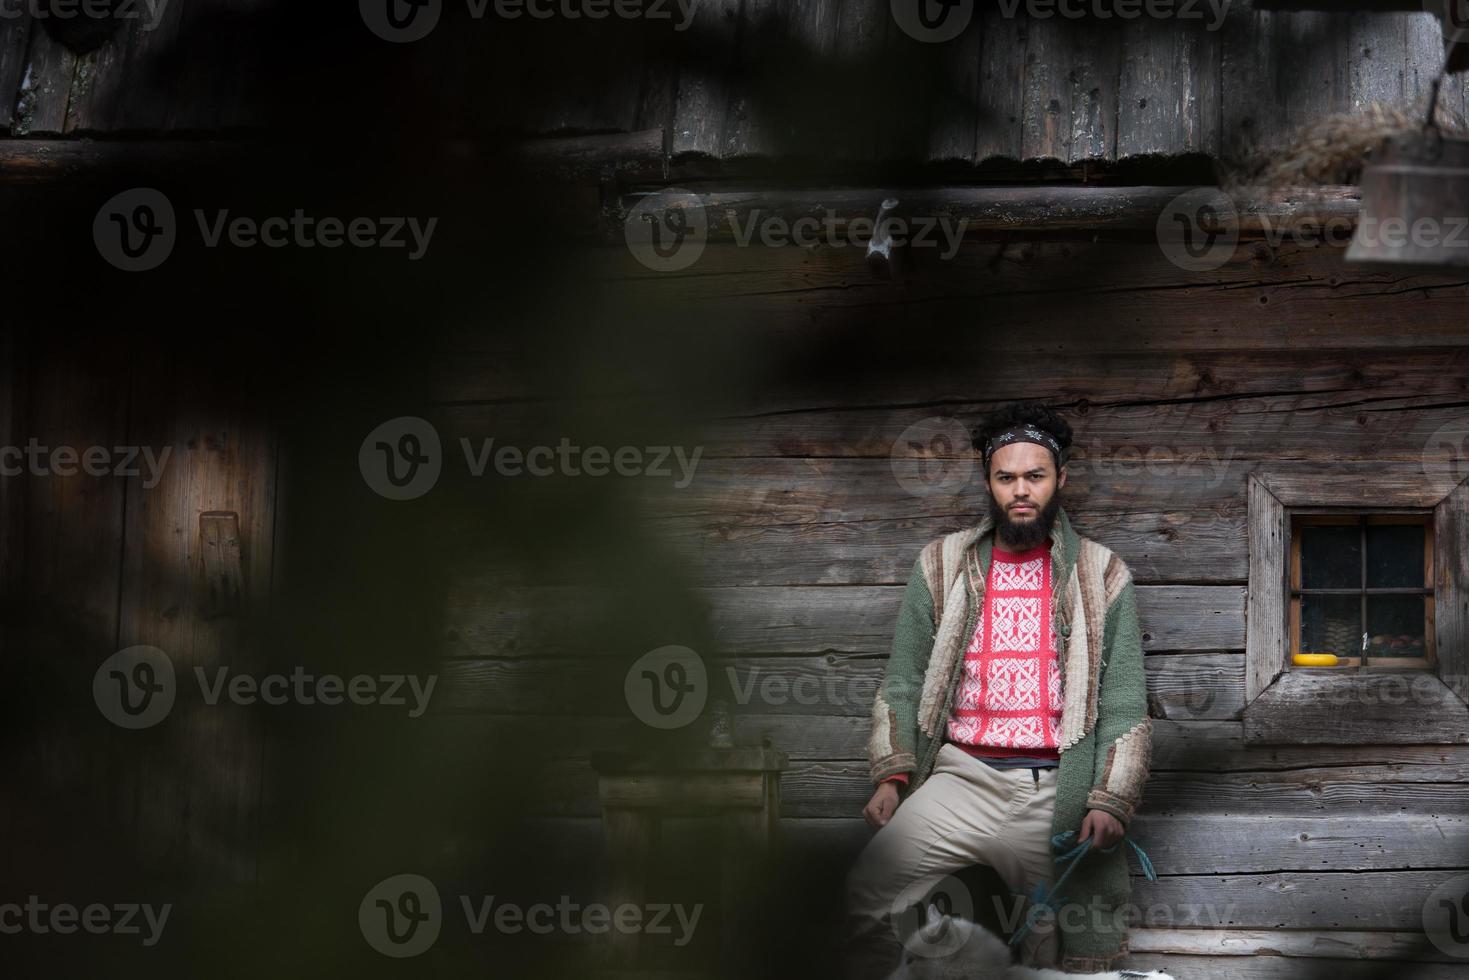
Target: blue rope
[1041, 900]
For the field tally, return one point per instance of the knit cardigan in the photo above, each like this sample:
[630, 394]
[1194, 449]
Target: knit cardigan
[1106, 735]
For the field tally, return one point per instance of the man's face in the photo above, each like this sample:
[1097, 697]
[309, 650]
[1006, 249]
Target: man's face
[1023, 484]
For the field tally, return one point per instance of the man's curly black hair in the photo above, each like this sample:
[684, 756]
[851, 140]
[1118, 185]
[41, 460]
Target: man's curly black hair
[1024, 413]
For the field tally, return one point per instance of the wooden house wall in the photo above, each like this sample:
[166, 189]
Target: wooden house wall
[749, 81]
[94, 564]
[796, 371]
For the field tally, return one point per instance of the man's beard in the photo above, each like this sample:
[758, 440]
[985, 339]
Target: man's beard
[1022, 536]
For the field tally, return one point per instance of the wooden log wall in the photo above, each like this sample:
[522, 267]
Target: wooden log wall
[748, 82]
[795, 372]
[98, 563]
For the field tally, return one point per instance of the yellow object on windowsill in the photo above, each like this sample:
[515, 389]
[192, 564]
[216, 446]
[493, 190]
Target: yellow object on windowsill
[1314, 659]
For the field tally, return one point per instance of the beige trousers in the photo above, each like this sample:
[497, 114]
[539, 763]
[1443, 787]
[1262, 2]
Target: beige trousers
[967, 812]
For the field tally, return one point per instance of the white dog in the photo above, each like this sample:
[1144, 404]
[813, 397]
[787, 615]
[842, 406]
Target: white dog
[979, 954]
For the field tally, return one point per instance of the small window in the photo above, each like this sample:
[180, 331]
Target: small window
[1361, 587]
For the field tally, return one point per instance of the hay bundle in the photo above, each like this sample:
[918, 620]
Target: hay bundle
[1333, 149]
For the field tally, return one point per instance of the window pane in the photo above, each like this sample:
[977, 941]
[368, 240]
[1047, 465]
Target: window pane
[1331, 556]
[1395, 626]
[1331, 624]
[1394, 555]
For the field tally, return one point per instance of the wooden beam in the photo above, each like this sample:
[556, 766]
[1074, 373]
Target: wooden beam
[735, 215]
[636, 157]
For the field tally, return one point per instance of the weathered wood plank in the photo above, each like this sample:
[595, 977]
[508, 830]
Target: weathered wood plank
[1268, 967]
[1185, 747]
[1168, 101]
[121, 86]
[1281, 70]
[749, 129]
[1336, 944]
[1180, 686]
[721, 550]
[1380, 706]
[197, 796]
[1269, 539]
[63, 541]
[1003, 210]
[45, 88]
[1287, 298]
[858, 45]
[703, 90]
[14, 38]
[833, 789]
[1451, 618]
[954, 119]
[490, 619]
[999, 131]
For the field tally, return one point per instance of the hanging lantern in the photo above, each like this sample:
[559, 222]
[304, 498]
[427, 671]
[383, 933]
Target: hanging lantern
[1415, 202]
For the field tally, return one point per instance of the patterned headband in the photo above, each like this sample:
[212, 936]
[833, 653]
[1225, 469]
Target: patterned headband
[1021, 433]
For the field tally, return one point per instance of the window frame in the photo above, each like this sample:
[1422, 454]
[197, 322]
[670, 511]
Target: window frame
[1354, 705]
[1309, 517]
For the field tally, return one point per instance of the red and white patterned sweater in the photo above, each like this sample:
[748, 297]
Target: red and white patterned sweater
[1009, 699]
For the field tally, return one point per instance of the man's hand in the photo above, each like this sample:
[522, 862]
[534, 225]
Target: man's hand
[1100, 825]
[879, 810]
